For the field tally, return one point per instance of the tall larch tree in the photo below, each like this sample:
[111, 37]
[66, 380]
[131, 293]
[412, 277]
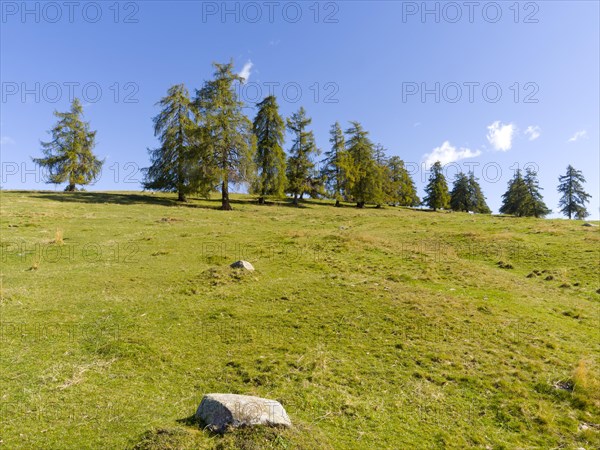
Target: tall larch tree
[478, 203]
[69, 156]
[535, 204]
[384, 175]
[573, 199]
[437, 189]
[364, 176]
[269, 129]
[515, 199]
[226, 132]
[172, 163]
[401, 187]
[335, 164]
[460, 196]
[300, 164]
[523, 197]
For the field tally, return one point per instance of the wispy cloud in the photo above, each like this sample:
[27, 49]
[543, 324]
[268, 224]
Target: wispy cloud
[246, 71]
[5, 140]
[501, 135]
[533, 131]
[274, 42]
[578, 135]
[447, 153]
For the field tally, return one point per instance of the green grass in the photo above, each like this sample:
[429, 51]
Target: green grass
[376, 328]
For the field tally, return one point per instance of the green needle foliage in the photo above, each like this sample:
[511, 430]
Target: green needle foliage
[478, 203]
[523, 197]
[401, 188]
[172, 168]
[460, 199]
[226, 132]
[300, 166]
[336, 164]
[537, 207]
[437, 189]
[364, 180]
[467, 196]
[574, 198]
[269, 128]
[69, 156]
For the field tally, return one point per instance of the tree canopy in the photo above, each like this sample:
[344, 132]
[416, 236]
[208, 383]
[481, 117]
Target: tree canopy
[269, 129]
[573, 199]
[437, 196]
[69, 155]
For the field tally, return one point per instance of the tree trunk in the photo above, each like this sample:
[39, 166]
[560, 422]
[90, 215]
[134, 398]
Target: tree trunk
[337, 203]
[71, 188]
[261, 200]
[295, 202]
[225, 206]
[360, 204]
[181, 197]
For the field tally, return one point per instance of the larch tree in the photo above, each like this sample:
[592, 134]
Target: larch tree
[478, 203]
[460, 196]
[573, 199]
[437, 189]
[535, 205]
[172, 164]
[364, 176]
[401, 187]
[384, 176]
[523, 197]
[226, 132]
[466, 195]
[335, 164]
[269, 129]
[515, 199]
[69, 156]
[300, 165]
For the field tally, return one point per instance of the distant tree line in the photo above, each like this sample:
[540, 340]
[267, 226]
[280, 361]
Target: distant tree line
[208, 143]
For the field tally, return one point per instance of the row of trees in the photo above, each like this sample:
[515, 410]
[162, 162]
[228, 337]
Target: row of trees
[207, 143]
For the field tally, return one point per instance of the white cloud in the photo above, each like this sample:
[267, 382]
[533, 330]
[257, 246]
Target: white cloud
[245, 72]
[578, 135]
[533, 131]
[5, 140]
[501, 135]
[446, 154]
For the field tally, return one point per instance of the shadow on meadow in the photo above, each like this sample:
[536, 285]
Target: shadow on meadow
[214, 203]
[161, 200]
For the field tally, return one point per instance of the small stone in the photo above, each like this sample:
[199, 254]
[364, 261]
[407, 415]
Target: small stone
[220, 411]
[242, 265]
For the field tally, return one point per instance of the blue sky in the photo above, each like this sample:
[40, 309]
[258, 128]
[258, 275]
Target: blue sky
[514, 84]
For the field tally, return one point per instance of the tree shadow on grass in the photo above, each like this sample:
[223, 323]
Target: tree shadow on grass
[213, 203]
[106, 197]
[117, 198]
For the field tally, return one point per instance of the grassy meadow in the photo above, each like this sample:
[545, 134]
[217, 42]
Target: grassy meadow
[382, 328]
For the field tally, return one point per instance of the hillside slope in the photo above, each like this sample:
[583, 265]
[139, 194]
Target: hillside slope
[376, 328]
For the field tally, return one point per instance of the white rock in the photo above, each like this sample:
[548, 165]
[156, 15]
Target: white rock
[242, 265]
[220, 411]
